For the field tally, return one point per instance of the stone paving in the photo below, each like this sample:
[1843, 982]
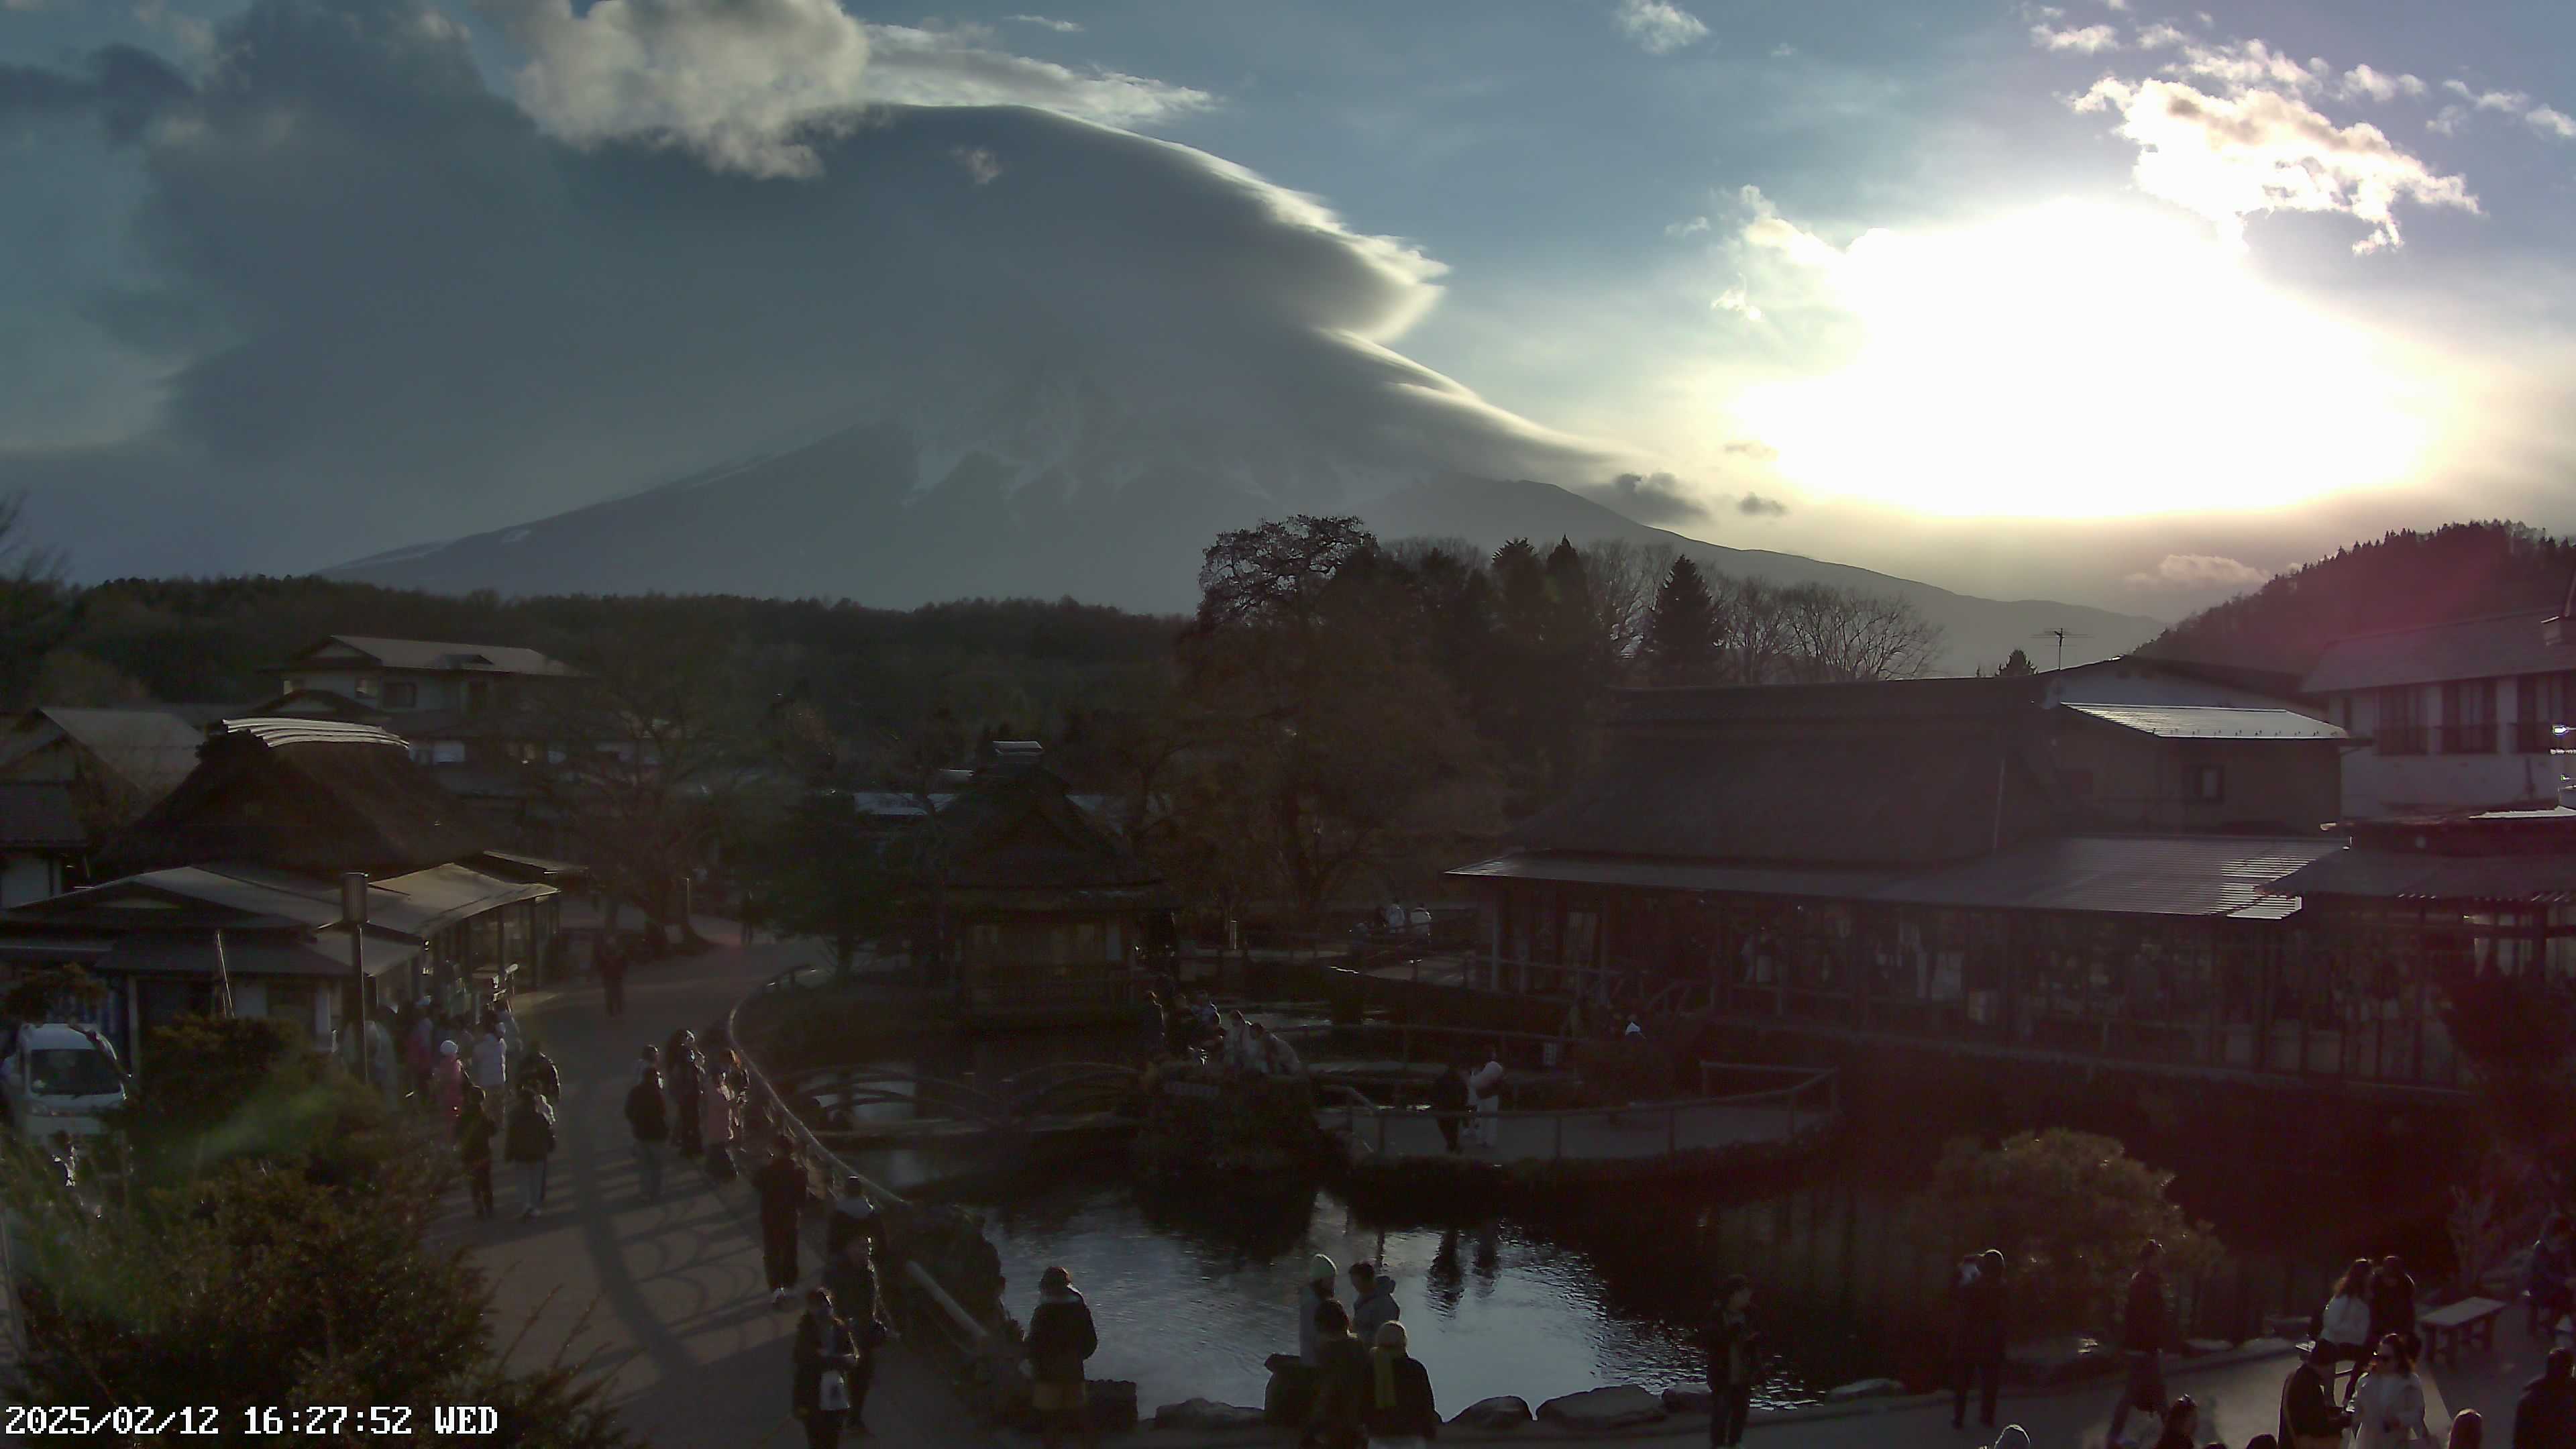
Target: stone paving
[667, 1297]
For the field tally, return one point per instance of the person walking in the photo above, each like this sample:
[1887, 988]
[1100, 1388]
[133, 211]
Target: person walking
[680, 1072]
[491, 1059]
[1400, 1413]
[447, 1081]
[2344, 1327]
[612, 979]
[2309, 1417]
[474, 1129]
[854, 1214]
[2146, 1325]
[2468, 1431]
[2545, 1416]
[2388, 1410]
[1487, 1085]
[528, 1140]
[780, 1185]
[1373, 1304]
[1060, 1339]
[646, 1118]
[1734, 1362]
[851, 1275]
[2392, 1305]
[2546, 1280]
[1449, 1100]
[1977, 1336]
[716, 1113]
[538, 1070]
[1314, 1293]
[1341, 1372]
[826, 1354]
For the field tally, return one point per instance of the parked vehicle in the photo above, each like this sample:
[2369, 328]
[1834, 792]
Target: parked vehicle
[59, 1078]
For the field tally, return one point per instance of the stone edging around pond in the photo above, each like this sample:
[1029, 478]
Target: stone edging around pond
[1538, 1431]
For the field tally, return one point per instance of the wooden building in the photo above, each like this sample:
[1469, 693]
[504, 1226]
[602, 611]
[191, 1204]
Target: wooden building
[2094, 866]
[232, 886]
[1048, 916]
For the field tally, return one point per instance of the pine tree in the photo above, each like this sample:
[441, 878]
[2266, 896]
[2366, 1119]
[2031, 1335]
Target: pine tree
[2016, 666]
[1681, 634]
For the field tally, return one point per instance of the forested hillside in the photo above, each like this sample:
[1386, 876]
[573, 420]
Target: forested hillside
[2407, 578]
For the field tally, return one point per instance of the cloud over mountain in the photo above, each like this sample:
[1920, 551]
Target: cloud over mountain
[434, 309]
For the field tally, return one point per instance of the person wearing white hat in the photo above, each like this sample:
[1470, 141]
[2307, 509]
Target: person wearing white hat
[447, 1081]
[1321, 1279]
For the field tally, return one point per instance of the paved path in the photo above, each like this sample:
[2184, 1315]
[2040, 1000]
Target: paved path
[667, 1297]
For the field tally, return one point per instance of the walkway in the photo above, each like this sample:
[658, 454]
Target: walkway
[667, 1297]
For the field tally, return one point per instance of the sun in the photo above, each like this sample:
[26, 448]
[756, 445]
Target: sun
[2081, 361]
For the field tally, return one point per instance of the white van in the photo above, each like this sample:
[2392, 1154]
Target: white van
[59, 1078]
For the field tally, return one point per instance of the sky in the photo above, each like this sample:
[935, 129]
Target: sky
[2119, 303]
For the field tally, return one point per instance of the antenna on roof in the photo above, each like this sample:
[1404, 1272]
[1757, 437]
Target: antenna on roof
[2061, 636]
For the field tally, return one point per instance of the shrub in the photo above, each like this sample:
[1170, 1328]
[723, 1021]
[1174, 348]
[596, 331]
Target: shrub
[2069, 1211]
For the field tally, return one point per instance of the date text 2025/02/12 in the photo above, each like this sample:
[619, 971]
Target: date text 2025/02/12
[329, 1421]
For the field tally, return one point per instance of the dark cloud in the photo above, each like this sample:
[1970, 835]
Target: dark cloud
[1754, 505]
[125, 87]
[1653, 498]
[439, 318]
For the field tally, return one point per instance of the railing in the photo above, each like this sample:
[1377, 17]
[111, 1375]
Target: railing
[2468, 739]
[2401, 739]
[945, 1314]
[1649, 1130]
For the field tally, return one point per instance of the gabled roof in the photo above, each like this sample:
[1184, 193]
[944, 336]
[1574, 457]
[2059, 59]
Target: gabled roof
[150, 748]
[2489, 648]
[438, 657]
[1016, 828]
[2211, 722]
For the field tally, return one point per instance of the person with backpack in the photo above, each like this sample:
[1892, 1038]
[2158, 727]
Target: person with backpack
[538, 1071]
[447, 1081]
[780, 1185]
[2146, 1326]
[827, 1353]
[474, 1128]
[652, 1127]
[527, 1141]
[1977, 1336]
[1341, 1376]
[1060, 1340]
[1734, 1362]
[2309, 1417]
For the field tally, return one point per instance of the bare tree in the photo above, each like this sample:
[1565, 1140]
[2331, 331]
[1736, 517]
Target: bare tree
[1817, 634]
[1624, 576]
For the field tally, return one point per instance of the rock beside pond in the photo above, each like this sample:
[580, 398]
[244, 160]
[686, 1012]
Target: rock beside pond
[1507, 1412]
[1618, 1407]
[1689, 1401]
[2059, 1360]
[1206, 1414]
[1863, 1389]
[2202, 1347]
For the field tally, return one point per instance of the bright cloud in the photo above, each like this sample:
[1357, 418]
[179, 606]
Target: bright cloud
[2362, 81]
[2090, 40]
[1045, 22]
[2198, 571]
[2247, 64]
[2228, 157]
[2511, 103]
[2071, 362]
[1660, 27]
[2550, 121]
[748, 84]
[2161, 36]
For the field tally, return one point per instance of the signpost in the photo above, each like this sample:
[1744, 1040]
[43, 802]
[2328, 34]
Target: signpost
[353, 913]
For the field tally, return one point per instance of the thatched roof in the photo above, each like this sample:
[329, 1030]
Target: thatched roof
[1014, 827]
[303, 795]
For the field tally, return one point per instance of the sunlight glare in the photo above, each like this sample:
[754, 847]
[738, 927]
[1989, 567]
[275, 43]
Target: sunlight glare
[2080, 361]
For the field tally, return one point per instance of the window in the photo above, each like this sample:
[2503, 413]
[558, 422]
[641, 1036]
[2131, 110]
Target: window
[2468, 717]
[2401, 721]
[363, 686]
[2209, 783]
[2541, 702]
[401, 694]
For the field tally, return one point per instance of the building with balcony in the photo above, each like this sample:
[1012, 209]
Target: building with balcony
[2451, 718]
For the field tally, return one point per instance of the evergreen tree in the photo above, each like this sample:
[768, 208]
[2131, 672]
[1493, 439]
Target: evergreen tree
[2016, 666]
[1681, 634]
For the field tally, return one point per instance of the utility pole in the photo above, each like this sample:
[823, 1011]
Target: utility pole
[353, 913]
[2061, 636]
